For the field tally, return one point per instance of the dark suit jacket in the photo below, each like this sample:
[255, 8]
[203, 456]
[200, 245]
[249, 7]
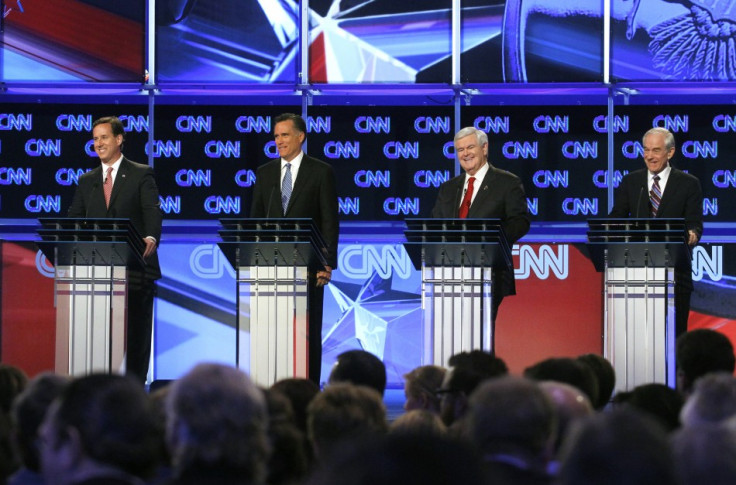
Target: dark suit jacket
[500, 195]
[682, 197]
[134, 196]
[314, 197]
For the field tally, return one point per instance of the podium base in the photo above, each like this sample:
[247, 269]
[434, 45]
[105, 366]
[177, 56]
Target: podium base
[90, 319]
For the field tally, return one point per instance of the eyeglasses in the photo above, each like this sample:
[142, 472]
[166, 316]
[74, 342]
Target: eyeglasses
[445, 392]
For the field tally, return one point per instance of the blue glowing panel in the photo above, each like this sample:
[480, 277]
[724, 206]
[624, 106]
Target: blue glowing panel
[690, 40]
[389, 160]
[206, 157]
[44, 148]
[227, 40]
[703, 147]
[559, 152]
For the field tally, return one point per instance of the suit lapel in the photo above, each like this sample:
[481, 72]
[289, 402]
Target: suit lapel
[120, 180]
[669, 191]
[483, 192]
[300, 183]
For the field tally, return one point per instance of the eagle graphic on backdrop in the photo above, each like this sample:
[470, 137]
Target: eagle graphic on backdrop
[698, 45]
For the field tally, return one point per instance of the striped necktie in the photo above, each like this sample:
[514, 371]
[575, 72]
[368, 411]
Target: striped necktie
[286, 188]
[107, 186]
[655, 196]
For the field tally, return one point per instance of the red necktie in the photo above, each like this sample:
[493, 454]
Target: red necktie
[107, 186]
[465, 206]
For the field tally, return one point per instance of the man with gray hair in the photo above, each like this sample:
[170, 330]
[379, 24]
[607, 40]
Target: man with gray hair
[484, 192]
[216, 427]
[662, 191]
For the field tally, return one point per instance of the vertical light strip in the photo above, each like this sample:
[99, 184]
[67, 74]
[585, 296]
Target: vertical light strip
[606, 41]
[304, 42]
[151, 67]
[455, 35]
[151, 41]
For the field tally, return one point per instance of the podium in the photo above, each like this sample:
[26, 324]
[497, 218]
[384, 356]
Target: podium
[272, 259]
[638, 259]
[92, 258]
[457, 258]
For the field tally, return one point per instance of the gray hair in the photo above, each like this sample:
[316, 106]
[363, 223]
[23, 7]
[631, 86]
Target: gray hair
[480, 135]
[669, 138]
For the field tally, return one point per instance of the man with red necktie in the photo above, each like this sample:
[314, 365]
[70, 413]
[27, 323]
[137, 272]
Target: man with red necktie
[672, 193]
[485, 192]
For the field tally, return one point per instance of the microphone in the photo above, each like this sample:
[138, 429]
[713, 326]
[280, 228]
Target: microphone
[456, 205]
[91, 196]
[270, 199]
[638, 201]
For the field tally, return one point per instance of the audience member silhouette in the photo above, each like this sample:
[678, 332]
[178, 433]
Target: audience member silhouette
[467, 370]
[512, 422]
[27, 414]
[289, 461]
[621, 447]
[300, 393]
[217, 427]
[420, 388]
[418, 421]
[12, 382]
[705, 455]
[567, 370]
[700, 352]
[403, 459]
[342, 413]
[570, 404]
[659, 401]
[712, 401]
[605, 375]
[361, 368]
[100, 430]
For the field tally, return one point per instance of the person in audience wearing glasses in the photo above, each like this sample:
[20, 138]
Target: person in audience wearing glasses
[662, 191]
[485, 192]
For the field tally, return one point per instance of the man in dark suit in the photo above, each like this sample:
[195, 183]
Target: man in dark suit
[484, 192]
[132, 195]
[661, 190]
[299, 186]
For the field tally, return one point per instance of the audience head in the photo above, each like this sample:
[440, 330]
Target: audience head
[360, 368]
[605, 375]
[567, 370]
[403, 459]
[467, 370]
[217, 421]
[621, 447]
[289, 460]
[12, 382]
[705, 455]
[28, 412]
[418, 421]
[512, 416]
[659, 401]
[700, 352]
[570, 404]
[712, 401]
[341, 413]
[300, 393]
[420, 388]
[100, 423]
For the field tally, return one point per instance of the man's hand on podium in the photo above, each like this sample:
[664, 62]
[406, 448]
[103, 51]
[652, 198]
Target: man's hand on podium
[692, 238]
[150, 246]
[324, 277]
